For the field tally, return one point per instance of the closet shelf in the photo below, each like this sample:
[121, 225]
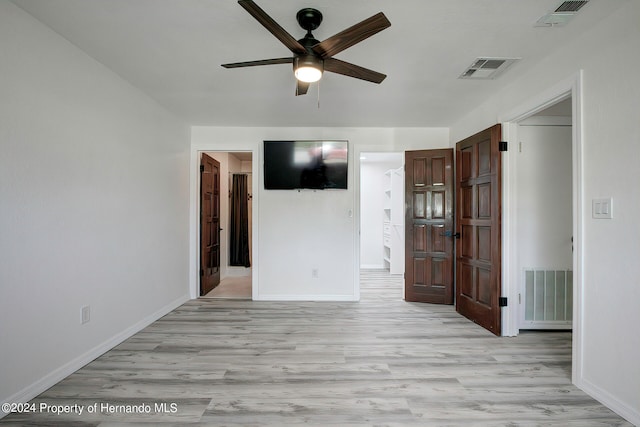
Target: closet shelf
[393, 217]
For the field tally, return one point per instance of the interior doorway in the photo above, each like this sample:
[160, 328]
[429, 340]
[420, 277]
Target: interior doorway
[236, 233]
[545, 218]
[382, 215]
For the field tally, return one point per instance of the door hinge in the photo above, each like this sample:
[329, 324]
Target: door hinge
[502, 301]
[502, 146]
[201, 168]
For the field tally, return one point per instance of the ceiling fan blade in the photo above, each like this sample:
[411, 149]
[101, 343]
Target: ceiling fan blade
[352, 70]
[302, 88]
[260, 62]
[352, 35]
[273, 27]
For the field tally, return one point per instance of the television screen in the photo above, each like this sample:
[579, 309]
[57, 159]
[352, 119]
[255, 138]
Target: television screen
[290, 165]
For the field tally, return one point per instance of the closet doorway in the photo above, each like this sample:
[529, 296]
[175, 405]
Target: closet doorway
[382, 221]
[236, 194]
[545, 218]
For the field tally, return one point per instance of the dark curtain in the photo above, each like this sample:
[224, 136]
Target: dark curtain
[239, 245]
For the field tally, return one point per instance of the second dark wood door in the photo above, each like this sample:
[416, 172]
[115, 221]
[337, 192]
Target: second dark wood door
[478, 207]
[209, 224]
[429, 226]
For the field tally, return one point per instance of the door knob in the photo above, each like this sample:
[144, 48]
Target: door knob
[450, 233]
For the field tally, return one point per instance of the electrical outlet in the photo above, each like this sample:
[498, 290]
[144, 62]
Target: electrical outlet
[314, 273]
[85, 314]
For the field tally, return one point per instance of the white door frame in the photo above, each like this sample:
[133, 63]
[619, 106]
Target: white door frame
[571, 87]
[543, 122]
[194, 214]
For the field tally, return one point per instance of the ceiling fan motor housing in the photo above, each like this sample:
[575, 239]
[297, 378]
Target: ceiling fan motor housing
[309, 18]
[311, 59]
[308, 61]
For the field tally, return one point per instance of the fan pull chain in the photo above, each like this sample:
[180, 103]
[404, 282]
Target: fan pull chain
[318, 94]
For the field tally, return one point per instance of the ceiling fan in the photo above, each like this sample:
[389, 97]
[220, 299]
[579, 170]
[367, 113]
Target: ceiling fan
[312, 57]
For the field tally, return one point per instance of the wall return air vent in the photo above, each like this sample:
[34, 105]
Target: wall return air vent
[487, 68]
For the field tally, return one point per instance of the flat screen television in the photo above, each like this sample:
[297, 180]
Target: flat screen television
[318, 165]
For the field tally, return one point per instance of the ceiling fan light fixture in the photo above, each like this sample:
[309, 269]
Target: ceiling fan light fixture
[308, 69]
[308, 74]
[311, 58]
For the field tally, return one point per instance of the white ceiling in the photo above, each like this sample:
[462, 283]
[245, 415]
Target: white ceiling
[172, 51]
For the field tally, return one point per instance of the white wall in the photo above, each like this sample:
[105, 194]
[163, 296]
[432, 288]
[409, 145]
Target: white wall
[372, 184]
[93, 207]
[297, 232]
[545, 223]
[607, 54]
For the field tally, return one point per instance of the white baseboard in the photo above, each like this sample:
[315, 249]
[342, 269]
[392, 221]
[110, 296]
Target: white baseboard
[372, 266]
[607, 399]
[67, 369]
[338, 298]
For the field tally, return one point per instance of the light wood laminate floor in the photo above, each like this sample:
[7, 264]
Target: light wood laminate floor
[232, 288]
[378, 362]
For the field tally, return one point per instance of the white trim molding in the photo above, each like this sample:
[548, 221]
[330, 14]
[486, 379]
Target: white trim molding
[310, 298]
[54, 377]
[194, 209]
[568, 88]
[624, 410]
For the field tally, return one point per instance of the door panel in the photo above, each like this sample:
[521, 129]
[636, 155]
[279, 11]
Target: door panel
[209, 224]
[478, 262]
[438, 171]
[420, 205]
[429, 226]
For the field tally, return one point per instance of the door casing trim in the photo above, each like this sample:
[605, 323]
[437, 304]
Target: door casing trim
[194, 216]
[570, 87]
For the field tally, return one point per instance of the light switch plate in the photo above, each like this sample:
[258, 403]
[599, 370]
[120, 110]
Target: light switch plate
[602, 208]
[85, 313]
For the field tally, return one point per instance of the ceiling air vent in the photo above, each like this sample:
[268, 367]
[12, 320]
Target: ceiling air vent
[487, 68]
[562, 14]
[571, 6]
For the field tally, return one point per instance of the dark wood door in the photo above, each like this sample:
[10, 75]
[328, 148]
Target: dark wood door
[478, 211]
[429, 204]
[209, 224]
